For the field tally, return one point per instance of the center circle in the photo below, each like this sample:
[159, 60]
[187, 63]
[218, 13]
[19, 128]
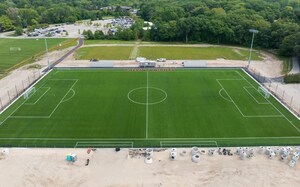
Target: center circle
[147, 95]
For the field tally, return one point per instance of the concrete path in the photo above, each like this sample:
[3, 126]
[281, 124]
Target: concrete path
[79, 44]
[296, 68]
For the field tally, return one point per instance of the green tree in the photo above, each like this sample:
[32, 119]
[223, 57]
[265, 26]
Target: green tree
[291, 45]
[28, 17]
[6, 24]
[99, 35]
[18, 31]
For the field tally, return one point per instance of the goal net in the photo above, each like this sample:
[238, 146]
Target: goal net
[29, 92]
[15, 49]
[264, 92]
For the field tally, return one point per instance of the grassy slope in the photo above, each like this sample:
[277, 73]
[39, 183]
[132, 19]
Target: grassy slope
[29, 47]
[194, 53]
[100, 109]
[104, 53]
[89, 42]
[174, 53]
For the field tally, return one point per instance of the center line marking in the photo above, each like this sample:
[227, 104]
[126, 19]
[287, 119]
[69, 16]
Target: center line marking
[147, 103]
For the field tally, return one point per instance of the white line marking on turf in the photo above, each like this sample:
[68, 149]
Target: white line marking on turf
[184, 142]
[271, 95]
[70, 97]
[103, 143]
[61, 101]
[147, 101]
[30, 117]
[271, 104]
[41, 78]
[260, 103]
[246, 116]
[76, 80]
[223, 96]
[48, 88]
[230, 98]
[152, 103]
[162, 139]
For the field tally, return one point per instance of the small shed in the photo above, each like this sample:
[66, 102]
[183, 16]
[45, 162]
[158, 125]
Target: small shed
[194, 64]
[102, 64]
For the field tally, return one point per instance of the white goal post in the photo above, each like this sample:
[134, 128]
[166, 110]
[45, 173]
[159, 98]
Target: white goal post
[264, 92]
[29, 92]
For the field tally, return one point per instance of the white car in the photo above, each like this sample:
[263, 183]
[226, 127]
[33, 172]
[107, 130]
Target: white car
[161, 60]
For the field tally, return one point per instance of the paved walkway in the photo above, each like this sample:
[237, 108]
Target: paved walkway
[296, 68]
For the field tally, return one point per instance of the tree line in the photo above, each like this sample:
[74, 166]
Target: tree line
[227, 22]
[209, 21]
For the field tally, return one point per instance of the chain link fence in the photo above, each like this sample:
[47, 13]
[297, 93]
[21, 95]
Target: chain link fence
[12, 92]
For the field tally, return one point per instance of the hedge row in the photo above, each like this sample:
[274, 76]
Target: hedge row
[292, 78]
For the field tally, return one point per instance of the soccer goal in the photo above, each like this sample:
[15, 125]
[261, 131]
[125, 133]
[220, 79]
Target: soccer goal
[264, 92]
[29, 92]
[15, 49]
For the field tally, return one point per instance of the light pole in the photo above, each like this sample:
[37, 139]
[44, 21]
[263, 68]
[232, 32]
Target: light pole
[46, 45]
[254, 32]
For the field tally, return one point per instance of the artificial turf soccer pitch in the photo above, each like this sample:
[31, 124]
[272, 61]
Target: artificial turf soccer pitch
[147, 108]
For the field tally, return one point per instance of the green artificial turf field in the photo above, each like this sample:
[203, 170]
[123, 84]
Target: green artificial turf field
[122, 107]
[13, 51]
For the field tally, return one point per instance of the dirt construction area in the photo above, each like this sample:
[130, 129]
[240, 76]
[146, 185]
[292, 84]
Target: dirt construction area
[127, 167]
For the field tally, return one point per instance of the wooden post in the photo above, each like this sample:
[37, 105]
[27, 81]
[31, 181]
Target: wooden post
[283, 94]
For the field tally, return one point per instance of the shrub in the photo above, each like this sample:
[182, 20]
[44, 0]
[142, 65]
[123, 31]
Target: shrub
[292, 78]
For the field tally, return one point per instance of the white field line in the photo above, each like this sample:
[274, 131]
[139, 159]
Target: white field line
[61, 101]
[260, 103]
[167, 143]
[246, 116]
[162, 139]
[147, 105]
[230, 97]
[223, 96]
[265, 116]
[124, 70]
[63, 97]
[63, 79]
[74, 93]
[104, 143]
[48, 88]
[272, 95]
[272, 104]
[30, 117]
[20, 97]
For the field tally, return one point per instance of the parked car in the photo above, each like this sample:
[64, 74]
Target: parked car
[161, 60]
